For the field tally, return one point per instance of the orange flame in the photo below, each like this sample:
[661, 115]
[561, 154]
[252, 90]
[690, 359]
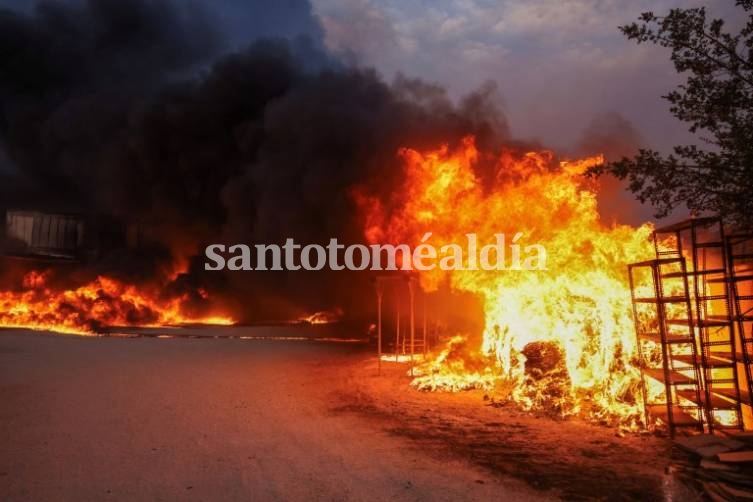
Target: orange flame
[100, 303]
[323, 317]
[581, 304]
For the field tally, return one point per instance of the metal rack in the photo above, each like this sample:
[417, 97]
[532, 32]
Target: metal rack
[411, 341]
[740, 265]
[700, 321]
[659, 290]
[702, 242]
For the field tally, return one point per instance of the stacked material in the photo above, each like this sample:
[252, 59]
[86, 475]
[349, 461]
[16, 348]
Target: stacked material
[721, 466]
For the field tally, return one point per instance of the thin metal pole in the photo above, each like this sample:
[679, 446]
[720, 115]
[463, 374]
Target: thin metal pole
[397, 324]
[379, 293]
[426, 339]
[412, 324]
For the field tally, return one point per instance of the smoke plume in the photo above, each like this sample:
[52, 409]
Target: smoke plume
[137, 111]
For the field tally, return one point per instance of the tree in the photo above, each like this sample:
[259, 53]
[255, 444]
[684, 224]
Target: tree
[716, 99]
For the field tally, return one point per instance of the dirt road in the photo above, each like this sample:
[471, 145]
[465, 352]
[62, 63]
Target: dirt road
[181, 419]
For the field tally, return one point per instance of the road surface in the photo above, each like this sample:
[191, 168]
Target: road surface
[189, 419]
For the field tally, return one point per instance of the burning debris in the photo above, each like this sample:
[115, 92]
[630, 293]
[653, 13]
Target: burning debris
[323, 317]
[561, 338]
[100, 303]
[546, 375]
[456, 367]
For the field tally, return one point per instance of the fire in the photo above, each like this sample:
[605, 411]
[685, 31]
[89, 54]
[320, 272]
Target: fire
[323, 317]
[88, 308]
[561, 338]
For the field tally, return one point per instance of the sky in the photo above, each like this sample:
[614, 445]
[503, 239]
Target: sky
[565, 76]
[559, 65]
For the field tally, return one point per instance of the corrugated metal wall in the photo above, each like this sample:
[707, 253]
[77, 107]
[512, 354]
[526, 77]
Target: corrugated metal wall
[50, 233]
[20, 226]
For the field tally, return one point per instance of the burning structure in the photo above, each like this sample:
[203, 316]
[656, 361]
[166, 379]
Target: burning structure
[264, 145]
[564, 339]
[42, 253]
[579, 308]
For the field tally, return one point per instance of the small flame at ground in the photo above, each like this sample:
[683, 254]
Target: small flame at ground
[323, 317]
[561, 338]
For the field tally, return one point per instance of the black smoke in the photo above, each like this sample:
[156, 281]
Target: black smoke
[615, 137]
[136, 110]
